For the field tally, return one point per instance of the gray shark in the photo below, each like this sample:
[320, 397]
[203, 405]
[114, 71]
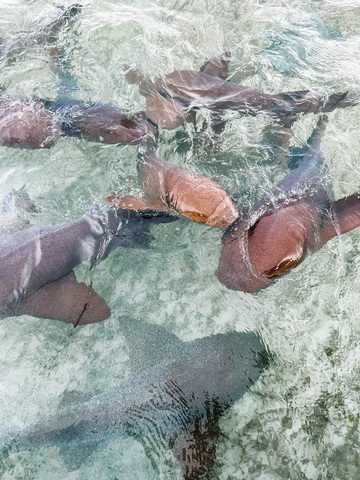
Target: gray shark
[44, 31]
[36, 264]
[173, 399]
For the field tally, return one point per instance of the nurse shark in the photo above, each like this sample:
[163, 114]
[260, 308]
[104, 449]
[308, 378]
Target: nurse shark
[44, 31]
[173, 399]
[289, 223]
[34, 123]
[170, 98]
[36, 263]
[100, 122]
[169, 187]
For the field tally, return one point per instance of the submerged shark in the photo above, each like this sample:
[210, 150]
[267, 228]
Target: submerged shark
[170, 187]
[171, 98]
[25, 123]
[99, 122]
[36, 263]
[174, 399]
[289, 223]
[44, 31]
[34, 123]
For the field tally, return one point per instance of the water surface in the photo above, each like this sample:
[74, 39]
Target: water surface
[301, 419]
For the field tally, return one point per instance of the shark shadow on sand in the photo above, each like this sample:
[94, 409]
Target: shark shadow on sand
[174, 399]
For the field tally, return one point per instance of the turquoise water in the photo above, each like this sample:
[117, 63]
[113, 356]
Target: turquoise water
[301, 419]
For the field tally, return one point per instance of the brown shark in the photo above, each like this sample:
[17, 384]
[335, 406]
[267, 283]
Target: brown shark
[165, 110]
[168, 186]
[99, 122]
[36, 264]
[293, 221]
[26, 124]
[33, 124]
[170, 98]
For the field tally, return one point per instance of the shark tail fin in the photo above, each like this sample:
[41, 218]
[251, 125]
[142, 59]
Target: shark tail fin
[313, 144]
[316, 136]
[60, 63]
[304, 101]
[338, 100]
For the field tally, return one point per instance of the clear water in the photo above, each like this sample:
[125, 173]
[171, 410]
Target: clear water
[301, 420]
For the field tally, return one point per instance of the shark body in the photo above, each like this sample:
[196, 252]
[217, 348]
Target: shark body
[173, 399]
[36, 264]
[288, 224]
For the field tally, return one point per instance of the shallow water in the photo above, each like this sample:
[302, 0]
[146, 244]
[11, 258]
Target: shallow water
[301, 419]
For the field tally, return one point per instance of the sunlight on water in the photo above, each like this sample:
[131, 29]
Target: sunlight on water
[301, 419]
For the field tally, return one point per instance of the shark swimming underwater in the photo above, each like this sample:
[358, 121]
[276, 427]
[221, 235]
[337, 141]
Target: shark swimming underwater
[286, 225]
[36, 263]
[33, 123]
[44, 31]
[169, 187]
[170, 99]
[173, 399]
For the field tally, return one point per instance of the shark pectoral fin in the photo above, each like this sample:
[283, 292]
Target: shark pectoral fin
[345, 214]
[218, 66]
[137, 202]
[136, 76]
[195, 447]
[68, 301]
[217, 123]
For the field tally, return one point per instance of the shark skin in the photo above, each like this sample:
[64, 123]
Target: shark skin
[36, 264]
[35, 124]
[26, 124]
[99, 122]
[291, 222]
[218, 94]
[169, 187]
[170, 98]
[169, 112]
[173, 399]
